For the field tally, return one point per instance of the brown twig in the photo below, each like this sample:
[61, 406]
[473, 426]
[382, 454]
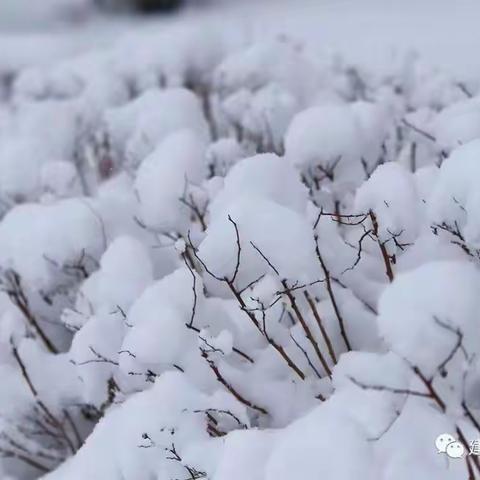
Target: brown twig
[331, 294]
[306, 329]
[229, 387]
[49, 417]
[383, 250]
[17, 295]
[323, 331]
[7, 453]
[307, 357]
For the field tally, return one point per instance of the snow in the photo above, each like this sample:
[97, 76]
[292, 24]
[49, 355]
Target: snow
[372, 409]
[336, 138]
[239, 241]
[59, 179]
[303, 452]
[284, 61]
[125, 258]
[80, 235]
[391, 194]
[164, 177]
[262, 176]
[30, 144]
[158, 318]
[457, 124]
[244, 454]
[131, 428]
[224, 153]
[274, 230]
[139, 127]
[408, 319]
[100, 335]
[454, 199]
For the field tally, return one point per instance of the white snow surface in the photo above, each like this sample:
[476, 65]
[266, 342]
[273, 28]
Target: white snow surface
[239, 241]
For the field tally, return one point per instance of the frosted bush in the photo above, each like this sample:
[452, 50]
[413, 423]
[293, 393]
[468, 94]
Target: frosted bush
[454, 200]
[138, 127]
[166, 176]
[337, 142]
[391, 194]
[407, 319]
[262, 176]
[457, 124]
[232, 262]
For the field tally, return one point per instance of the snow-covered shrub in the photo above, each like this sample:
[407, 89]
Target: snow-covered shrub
[340, 143]
[262, 87]
[229, 262]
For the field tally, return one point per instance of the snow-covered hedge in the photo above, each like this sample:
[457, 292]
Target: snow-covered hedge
[237, 263]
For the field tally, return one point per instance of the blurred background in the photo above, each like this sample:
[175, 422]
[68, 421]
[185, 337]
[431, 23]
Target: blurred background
[367, 32]
[25, 13]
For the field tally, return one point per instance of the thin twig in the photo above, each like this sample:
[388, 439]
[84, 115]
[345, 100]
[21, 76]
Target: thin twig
[306, 329]
[325, 336]
[332, 296]
[229, 387]
[383, 250]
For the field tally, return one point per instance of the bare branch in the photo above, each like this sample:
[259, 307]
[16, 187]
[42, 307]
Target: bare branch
[190, 203]
[251, 284]
[418, 130]
[332, 295]
[359, 250]
[306, 329]
[239, 249]
[202, 263]
[305, 354]
[229, 387]
[49, 417]
[323, 331]
[265, 258]
[458, 344]
[387, 428]
[385, 388]
[18, 297]
[7, 453]
[194, 290]
[99, 358]
[262, 330]
[383, 250]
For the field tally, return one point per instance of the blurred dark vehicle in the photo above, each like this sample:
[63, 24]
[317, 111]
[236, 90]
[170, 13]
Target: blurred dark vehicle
[156, 5]
[144, 6]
